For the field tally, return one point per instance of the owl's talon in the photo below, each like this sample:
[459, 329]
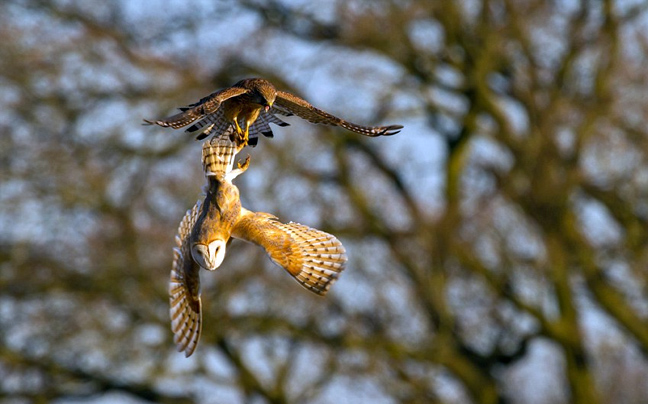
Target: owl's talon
[244, 166]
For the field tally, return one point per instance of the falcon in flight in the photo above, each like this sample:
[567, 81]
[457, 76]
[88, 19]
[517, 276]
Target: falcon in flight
[314, 258]
[250, 106]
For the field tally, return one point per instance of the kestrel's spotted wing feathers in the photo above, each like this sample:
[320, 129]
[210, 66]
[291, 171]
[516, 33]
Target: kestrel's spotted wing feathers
[184, 288]
[290, 103]
[207, 105]
[314, 258]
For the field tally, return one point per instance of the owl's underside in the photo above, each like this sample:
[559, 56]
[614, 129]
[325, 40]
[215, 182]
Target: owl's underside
[313, 257]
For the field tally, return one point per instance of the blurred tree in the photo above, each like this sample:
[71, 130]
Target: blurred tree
[497, 244]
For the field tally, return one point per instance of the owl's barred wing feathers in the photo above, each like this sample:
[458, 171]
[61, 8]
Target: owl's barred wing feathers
[314, 258]
[291, 104]
[207, 105]
[184, 288]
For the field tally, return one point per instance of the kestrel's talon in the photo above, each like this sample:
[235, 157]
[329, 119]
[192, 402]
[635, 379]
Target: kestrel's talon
[246, 136]
[238, 128]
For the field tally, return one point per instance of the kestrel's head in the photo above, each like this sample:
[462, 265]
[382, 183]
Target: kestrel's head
[209, 256]
[264, 93]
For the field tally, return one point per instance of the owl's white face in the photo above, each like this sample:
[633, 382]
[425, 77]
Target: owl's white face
[209, 256]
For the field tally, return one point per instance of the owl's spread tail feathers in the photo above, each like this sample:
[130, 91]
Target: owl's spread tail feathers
[218, 156]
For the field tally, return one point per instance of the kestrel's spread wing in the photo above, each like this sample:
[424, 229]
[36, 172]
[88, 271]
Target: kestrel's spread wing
[314, 258]
[184, 288]
[212, 124]
[291, 104]
[207, 105]
[250, 106]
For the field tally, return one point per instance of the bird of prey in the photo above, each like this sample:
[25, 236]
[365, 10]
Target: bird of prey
[253, 104]
[314, 258]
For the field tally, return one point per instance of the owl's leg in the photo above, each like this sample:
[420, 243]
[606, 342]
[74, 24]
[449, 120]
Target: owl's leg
[245, 164]
[240, 169]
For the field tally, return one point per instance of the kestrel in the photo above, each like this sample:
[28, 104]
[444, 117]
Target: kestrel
[254, 104]
[314, 258]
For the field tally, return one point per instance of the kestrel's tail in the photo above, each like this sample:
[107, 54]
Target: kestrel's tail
[218, 156]
[216, 124]
[262, 127]
[314, 258]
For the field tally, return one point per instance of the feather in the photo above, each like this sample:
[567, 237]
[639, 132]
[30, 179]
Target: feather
[184, 288]
[313, 257]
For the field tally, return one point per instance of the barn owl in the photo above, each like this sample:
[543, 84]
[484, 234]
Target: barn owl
[254, 104]
[312, 257]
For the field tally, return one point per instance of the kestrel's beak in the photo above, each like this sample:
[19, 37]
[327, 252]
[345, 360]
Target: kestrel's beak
[209, 256]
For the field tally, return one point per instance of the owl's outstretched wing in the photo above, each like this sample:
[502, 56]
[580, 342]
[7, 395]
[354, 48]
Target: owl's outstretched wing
[291, 104]
[184, 288]
[314, 258]
[192, 112]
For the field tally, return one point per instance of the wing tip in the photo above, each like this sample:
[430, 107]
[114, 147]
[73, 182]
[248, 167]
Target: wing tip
[391, 130]
[324, 259]
[186, 331]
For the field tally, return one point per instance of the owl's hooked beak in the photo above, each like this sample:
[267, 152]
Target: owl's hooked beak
[209, 256]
